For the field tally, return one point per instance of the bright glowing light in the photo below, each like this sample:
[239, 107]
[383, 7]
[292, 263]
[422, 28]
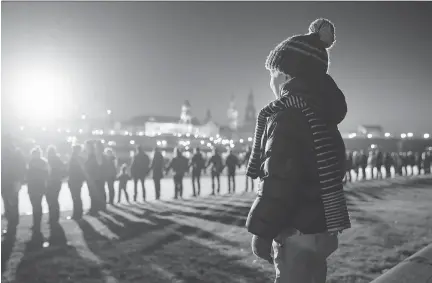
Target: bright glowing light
[83, 116]
[426, 136]
[164, 142]
[410, 135]
[369, 136]
[387, 135]
[241, 140]
[187, 147]
[250, 139]
[232, 145]
[111, 143]
[80, 131]
[40, 94]
[158, 143]
[109, 112]
[202, 142]
[211, 139]
[132, 142]
[403, 136]
[209, 144]
[112, 132]
[217, 136]
[373, 146]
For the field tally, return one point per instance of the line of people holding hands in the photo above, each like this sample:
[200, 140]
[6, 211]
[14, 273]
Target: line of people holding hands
[98, 167]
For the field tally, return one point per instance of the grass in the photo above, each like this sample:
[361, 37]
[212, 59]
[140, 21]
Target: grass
[204, 240]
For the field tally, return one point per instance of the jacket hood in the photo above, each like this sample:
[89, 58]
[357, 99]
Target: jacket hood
[322, 94]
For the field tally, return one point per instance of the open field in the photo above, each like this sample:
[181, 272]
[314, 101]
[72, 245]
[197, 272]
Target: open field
[203, 240]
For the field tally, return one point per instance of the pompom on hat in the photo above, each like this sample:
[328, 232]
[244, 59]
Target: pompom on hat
[304, 55]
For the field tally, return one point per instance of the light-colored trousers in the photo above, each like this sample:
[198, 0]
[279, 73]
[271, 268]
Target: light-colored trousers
[301, 258]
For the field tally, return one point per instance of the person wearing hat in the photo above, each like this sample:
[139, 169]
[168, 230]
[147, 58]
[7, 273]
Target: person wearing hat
[299, 155]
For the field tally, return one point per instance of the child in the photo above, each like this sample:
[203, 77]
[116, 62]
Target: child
[123, 179]
[299, 156]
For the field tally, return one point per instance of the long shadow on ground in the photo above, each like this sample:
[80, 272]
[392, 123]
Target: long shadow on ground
[59, 262]
[181, 250]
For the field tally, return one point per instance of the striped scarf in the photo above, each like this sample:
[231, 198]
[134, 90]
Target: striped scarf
[278, 105]
[327, 160]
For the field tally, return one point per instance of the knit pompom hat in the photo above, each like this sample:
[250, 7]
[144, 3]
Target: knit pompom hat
[304, 55]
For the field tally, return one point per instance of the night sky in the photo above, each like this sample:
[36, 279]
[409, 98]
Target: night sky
[143, 58]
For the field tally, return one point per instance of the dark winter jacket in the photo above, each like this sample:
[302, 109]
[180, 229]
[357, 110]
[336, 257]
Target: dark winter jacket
[140, 165]
[232, 162]
[304, 157]
[13, 167]
[93, 170]
[197, 163]
[157, 165]
[110, 167]
[37, 174]
[216, 164]
[180, 165]
[76, 170]
[57, 169]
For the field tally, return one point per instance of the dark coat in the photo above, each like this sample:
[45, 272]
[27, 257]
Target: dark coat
[157, 165]
[58, 169]
[140, 165]
[76, 170]
[180, 165]
[216, 164]
[290, 190]
[13, 166]
[197, 163]
[37, 174]
[232, 162]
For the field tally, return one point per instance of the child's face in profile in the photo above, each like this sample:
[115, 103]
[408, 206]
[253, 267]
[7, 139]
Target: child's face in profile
[277, 80]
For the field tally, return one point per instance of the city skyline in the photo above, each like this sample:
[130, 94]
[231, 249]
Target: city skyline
[146, 58]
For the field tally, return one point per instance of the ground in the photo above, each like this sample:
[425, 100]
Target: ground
[204, 239]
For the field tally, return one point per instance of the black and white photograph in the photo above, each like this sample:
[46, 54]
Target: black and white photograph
[216, 141]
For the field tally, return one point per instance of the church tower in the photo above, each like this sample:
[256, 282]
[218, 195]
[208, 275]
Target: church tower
[186, 113]
[232, 114]
[250, 114]
[208, 117]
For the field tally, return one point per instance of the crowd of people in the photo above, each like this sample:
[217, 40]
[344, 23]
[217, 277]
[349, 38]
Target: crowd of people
[377, 160]
[98, 167]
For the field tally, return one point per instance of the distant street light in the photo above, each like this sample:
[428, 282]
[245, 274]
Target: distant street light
[426, 136]
[403, 136]
[387, 135]
[369, 136]
[410, 135]
[109, 112]
[83, 116]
